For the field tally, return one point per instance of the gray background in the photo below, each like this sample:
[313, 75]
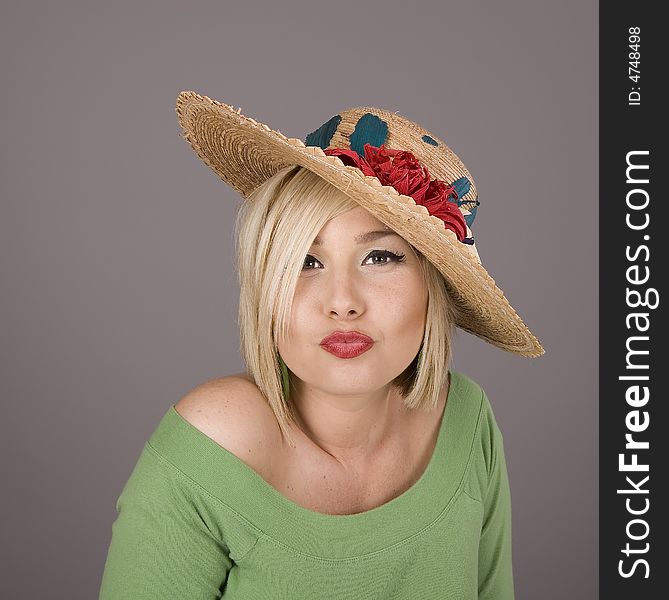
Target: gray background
[119, 289]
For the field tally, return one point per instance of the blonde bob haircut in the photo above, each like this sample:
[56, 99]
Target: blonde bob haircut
[274, 230]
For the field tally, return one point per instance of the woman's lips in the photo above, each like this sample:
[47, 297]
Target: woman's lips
[347, 344]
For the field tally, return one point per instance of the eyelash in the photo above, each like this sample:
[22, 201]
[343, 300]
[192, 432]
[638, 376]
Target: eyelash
[387, 253]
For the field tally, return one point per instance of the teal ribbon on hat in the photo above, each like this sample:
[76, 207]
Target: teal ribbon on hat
[285, 381]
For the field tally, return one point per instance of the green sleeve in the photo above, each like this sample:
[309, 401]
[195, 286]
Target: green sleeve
[495, 561]
[161, 546]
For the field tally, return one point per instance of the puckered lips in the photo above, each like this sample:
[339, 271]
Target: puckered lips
[346, 344]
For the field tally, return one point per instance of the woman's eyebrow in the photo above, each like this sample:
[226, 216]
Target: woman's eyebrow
[363, 238]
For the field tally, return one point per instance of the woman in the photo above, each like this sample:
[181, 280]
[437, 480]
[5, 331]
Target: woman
[348, 461]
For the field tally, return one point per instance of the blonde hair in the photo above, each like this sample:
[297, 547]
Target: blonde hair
[274, 230]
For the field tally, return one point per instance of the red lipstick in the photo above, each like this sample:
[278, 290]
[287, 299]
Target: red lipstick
[346, 344]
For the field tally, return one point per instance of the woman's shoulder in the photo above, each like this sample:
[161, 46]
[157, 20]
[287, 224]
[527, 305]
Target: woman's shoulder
[465, 385]
[475, 397]
[232, 411]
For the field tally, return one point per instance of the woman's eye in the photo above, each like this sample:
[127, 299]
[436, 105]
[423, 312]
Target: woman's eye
[385, 256]
[391, 256]
[308, 259]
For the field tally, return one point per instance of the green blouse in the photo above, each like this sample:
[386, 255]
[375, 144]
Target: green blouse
[194, 522]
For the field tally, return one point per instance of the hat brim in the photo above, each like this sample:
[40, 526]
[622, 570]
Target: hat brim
[244, 153]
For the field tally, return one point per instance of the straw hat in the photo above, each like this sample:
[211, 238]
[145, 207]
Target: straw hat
[436, 221]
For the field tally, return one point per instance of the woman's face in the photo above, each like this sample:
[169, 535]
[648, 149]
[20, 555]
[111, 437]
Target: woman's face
[371, 285]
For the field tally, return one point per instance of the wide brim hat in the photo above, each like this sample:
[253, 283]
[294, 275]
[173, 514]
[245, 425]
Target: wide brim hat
[245, 153]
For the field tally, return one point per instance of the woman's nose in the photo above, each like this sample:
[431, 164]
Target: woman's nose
[343, 295]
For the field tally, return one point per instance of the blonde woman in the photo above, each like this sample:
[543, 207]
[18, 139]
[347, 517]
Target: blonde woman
[349, 461]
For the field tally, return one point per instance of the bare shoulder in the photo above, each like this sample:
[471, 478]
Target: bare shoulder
[233, 412]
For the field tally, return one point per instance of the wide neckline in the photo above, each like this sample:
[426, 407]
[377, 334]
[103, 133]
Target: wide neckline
[253, 498]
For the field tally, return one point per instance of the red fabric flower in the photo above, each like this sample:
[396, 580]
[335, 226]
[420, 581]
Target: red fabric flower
[438, 203]
[351, 159]
[401, 170]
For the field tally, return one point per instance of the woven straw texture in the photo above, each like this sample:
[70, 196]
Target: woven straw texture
[244, 153]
